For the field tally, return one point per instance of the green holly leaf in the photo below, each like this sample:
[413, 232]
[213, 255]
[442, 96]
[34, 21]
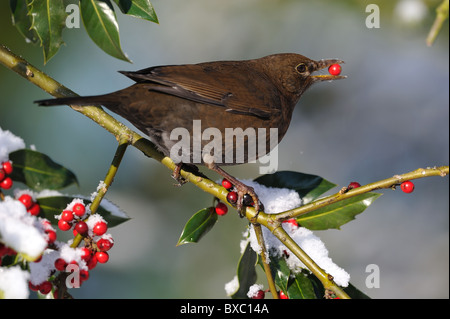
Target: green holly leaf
[101, 24]
[337, 214]
[54, 205]
[22, 21]
[198, 226]
[38, 171]
[280, 271]
[48, 20]
[308, 186]
[355, 293]
[246, 273]
[301, 287]
[138, 8]
[295, 286]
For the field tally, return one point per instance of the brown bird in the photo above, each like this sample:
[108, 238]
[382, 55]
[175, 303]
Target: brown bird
[207, 101]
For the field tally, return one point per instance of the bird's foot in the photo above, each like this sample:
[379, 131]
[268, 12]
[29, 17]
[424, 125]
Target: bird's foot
[246, 197]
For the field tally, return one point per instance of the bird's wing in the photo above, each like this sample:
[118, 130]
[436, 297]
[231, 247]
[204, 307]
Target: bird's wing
[219, 84]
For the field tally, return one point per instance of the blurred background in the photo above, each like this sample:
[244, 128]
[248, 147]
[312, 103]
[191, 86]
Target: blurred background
[389, 117]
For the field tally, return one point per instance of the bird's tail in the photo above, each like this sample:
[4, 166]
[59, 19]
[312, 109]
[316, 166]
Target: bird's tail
[78, 100]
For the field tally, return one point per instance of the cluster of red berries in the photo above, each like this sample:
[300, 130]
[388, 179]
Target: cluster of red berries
[93, 252]
[97, 252]
[31, 206]
[73, 217]
[232, 197]
[44, 287]
[6, 169]
[221, 209]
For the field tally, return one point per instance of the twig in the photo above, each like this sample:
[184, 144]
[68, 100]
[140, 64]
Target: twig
[386, 183]
[441, 16]
[265, 257]
[120, 152]
[118, 156]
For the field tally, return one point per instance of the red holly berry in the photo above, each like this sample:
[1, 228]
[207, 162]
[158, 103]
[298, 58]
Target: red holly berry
[221, 209]
[85, 254]
[51, 236]
[353, 185]
[232, 197]
[45, 287]
[2, 174]
[33, 287]
[259, 295]
[226, 183]
[7, 167]
[81, 228]
[3, 250]
[102, 256]
[56, 293]
[335, 69]
[35, 209]
[26, 200]
[6, 183]
[46, 224]
[63, 225]
[60, 264]
[67, 215]
[291, 221]
[79, 209]
[100, 228]
[281, 295]
[104, 244]
[12, 252]
[84, 275]
[91, 262]
[407, 187]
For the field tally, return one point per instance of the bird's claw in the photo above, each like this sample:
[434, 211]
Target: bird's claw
[250, 200]
[177, 176]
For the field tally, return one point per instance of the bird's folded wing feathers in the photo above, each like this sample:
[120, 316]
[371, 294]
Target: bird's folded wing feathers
[219, 86]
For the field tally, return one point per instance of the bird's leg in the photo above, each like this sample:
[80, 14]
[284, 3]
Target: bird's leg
[241, 188]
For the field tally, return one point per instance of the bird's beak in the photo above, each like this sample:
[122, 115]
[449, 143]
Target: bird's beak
[323, 64]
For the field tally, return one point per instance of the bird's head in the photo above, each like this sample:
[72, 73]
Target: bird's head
[294, 73]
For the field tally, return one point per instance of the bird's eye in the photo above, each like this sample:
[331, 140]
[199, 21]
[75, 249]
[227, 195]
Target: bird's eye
[301, 68]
